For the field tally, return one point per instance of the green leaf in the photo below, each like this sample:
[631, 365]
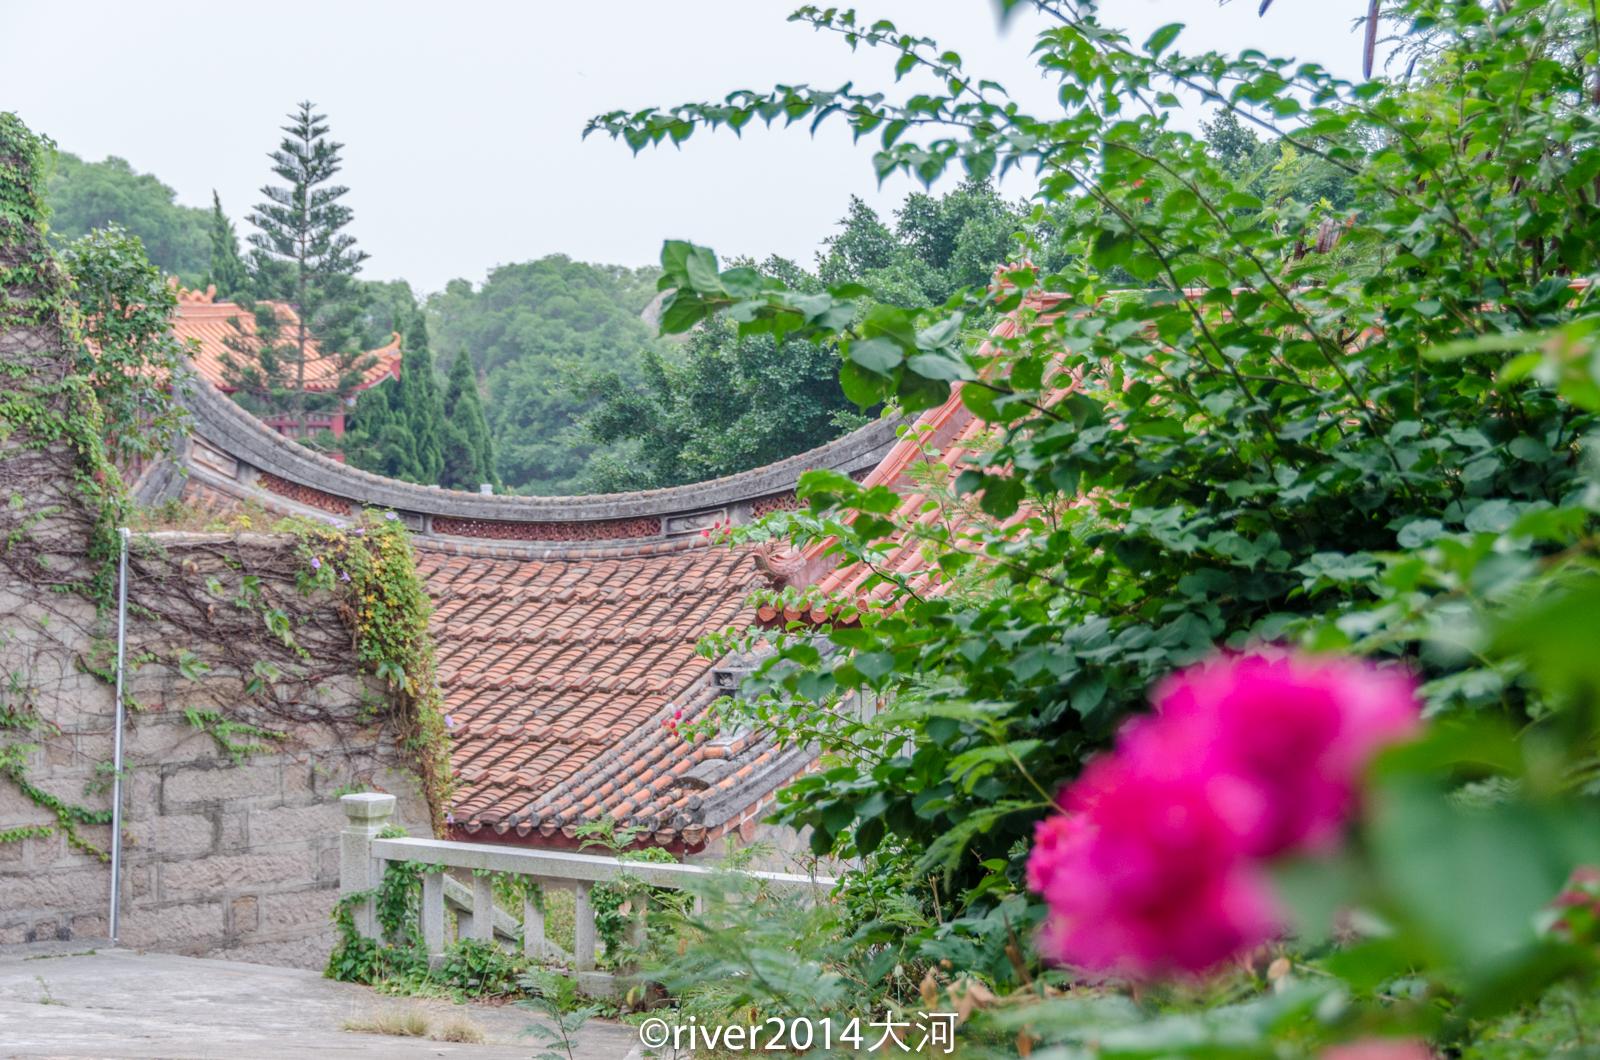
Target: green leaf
[878, 355]
[1162, 38]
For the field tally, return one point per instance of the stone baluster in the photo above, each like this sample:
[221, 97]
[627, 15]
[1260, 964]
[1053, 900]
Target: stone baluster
[583, 943]
[432, 915]
[638, 924]
[366, 815]
[532, 927]
[483, 908]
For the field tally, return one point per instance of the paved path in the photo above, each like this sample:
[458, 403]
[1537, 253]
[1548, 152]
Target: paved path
[59, 1001]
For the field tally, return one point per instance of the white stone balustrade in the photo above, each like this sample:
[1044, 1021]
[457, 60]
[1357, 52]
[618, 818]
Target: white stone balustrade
[363, 857]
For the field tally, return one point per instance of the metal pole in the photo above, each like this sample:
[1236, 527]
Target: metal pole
[116, 753]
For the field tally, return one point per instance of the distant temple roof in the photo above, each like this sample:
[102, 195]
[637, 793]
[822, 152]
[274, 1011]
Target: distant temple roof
[214, 325]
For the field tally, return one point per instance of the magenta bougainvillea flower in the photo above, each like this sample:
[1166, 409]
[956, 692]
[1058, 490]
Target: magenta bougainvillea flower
[1156, 864]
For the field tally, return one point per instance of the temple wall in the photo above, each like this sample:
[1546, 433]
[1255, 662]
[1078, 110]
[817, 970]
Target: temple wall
[223, 856]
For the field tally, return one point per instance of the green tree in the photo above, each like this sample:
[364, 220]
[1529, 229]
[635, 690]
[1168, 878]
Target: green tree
[421, 400]
[84, 196]
[716, 405]
[376, 438]
[135, 365]
[467, 450]
[397, 427]
[724, 402]
[863, 245]
[536, 331]
[226, 268]
[303, 256]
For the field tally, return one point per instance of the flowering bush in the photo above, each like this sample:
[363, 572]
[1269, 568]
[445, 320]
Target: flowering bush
[1155, 864]
[1326, 375]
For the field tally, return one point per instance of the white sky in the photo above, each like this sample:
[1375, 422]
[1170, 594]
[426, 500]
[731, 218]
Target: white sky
[462, 120]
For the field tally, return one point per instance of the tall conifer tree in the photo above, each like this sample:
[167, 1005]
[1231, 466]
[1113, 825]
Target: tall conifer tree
[302, 255]
[397, 428]
[468, 453]
[421, 402]
[227, 269]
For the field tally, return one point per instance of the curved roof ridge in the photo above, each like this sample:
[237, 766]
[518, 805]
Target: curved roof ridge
[234, 432]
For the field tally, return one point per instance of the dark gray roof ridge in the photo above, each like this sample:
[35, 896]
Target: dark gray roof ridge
[232, 430]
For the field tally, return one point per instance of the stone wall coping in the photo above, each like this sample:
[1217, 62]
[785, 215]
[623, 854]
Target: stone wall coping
[566, 866]
[234, 431]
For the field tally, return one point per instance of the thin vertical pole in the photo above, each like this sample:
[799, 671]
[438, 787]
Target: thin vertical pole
[116, 753]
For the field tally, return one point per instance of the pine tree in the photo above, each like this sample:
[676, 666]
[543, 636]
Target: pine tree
[301, 253]
[468, 454]
[227, 270]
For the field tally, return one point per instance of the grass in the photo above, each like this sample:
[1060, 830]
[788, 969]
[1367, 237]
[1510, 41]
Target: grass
[459, 1029]
[395, 1022]
[414, 1023]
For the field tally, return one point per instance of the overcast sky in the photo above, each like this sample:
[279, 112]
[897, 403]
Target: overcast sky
[462, 121]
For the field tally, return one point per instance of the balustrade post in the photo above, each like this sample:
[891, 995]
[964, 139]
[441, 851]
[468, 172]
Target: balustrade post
[532, 926]
[483, 908]
[638, 925]
[366, 814]
[432, 914]
[583, 941]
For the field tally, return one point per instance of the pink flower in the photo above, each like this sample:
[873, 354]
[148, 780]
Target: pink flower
[1285, 739]
[1145, 878]
[1157, 864]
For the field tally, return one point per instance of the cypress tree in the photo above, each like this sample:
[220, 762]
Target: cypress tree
[226, 271]
[421, 404]
[468, 453]
[378, 440]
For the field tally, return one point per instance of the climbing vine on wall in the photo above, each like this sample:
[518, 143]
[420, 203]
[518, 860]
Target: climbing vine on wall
[374, 572]
[221, 612]
[46, 408]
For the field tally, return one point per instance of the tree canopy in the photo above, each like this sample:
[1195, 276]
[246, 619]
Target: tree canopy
[533, 331]
[84, 196]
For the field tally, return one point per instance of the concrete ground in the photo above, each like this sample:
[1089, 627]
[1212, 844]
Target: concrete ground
[62, 1000]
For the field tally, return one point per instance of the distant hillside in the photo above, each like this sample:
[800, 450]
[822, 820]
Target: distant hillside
[86, 195]
[536, 331]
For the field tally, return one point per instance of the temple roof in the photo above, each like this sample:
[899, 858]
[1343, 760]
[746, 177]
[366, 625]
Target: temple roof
[565, 626]
[221, 329]
[559, 676]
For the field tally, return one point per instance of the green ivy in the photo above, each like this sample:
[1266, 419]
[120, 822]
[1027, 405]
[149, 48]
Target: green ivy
[373, 570]
[38, 413]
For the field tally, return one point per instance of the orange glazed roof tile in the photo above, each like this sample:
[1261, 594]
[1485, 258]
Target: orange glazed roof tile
[226, 329]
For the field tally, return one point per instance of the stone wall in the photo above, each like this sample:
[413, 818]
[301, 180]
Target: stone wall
[224, 855]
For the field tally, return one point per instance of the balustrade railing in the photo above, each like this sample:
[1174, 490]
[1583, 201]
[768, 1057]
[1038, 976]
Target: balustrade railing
[364, 857]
